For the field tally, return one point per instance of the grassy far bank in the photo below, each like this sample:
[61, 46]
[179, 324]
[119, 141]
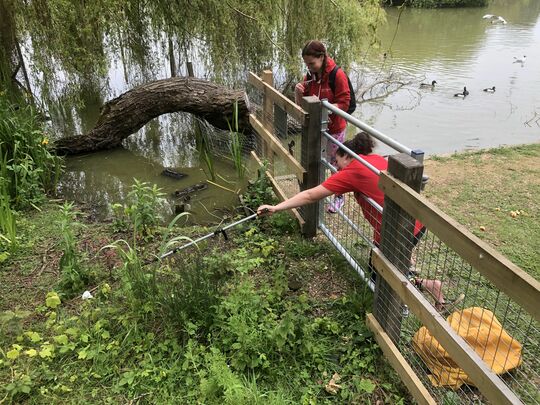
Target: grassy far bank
[496, 194]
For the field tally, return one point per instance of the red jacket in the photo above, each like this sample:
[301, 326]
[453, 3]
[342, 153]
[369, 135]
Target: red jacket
[341, 97]
[363, 182]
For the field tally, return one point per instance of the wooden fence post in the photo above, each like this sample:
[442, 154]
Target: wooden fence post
[268, 118]
[311, 160]
[397, 232]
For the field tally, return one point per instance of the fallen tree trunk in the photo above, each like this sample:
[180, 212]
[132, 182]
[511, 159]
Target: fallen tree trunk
[129, 112]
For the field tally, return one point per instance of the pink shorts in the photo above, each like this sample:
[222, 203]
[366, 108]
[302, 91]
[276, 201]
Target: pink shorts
[331, 148]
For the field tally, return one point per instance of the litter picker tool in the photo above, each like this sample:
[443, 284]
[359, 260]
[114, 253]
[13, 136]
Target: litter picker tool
[216, 232]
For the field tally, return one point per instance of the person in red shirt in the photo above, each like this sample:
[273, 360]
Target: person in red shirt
[316, 83]
[355, 177]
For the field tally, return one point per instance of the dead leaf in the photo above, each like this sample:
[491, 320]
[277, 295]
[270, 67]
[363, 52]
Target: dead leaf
[333, 387]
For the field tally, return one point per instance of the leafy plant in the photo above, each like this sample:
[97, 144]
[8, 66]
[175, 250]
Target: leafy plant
[260, 190]
[29, 168]
[142, 212]
[8, 223]
[74, 276]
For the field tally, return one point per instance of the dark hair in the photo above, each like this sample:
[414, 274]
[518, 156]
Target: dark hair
[316, 49]
[361, 144]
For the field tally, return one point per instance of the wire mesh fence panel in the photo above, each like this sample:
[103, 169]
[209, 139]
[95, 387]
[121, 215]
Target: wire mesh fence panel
[498, 329]
[285, 129]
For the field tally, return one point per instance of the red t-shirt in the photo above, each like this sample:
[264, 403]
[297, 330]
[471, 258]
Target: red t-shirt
[359, 179]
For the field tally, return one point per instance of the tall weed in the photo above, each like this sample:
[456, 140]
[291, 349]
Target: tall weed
[31, 170]
[8, 223]
[204, 148]
[75, 276]
[235, 145]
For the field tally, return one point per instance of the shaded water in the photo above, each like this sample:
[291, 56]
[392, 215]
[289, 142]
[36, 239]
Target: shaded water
[457, 48]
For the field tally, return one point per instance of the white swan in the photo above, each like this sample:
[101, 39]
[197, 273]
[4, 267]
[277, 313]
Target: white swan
[520, 60]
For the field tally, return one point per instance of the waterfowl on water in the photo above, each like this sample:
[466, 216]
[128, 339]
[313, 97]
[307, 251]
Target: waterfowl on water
[433, 83]
[495, 19]
[520, 60]
[464, 94]
[490, 89]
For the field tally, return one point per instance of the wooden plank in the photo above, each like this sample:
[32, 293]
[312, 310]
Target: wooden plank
[505, 275]
[287, 105]
[279, 192]
[277, 147]
[398, 362]
[484, 378]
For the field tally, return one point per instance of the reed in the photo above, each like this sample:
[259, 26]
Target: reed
[204, 149]
[235, 145]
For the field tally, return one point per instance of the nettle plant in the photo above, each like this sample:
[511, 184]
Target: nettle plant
[142, 211]
[259, 191]
[74, 276]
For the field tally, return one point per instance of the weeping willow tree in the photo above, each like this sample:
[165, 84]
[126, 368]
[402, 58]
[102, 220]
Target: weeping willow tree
[230, 37]
[81, 53]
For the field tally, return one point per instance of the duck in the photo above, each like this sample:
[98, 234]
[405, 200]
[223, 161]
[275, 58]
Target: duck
[433, 83]
[490, 89]
[520, 60]
[464, 94]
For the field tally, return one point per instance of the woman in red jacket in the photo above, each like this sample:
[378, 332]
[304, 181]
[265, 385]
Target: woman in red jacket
[316, 83]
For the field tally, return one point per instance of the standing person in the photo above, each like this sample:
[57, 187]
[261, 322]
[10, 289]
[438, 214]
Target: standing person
[355, 177]
[316, 83]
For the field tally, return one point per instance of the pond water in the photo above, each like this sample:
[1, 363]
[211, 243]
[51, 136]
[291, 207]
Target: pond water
[455, 47]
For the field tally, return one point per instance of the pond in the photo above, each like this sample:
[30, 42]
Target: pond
[455, 47]
[458, 48]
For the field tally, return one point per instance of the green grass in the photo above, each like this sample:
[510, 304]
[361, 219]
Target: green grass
[494, 193]
[215, 325]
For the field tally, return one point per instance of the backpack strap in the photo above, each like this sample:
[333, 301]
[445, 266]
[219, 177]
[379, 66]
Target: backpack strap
[332, 79]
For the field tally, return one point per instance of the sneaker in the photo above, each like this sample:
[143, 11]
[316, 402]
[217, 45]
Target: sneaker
[335, 205]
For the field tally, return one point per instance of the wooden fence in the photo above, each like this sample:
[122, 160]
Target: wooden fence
[403, 204]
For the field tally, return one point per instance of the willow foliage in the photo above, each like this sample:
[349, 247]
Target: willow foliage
[230, 37]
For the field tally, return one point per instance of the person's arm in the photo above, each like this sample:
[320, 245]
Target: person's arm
[303, 198]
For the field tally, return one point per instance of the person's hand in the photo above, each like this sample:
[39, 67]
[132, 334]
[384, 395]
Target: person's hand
[300, 88]
[266, 210]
